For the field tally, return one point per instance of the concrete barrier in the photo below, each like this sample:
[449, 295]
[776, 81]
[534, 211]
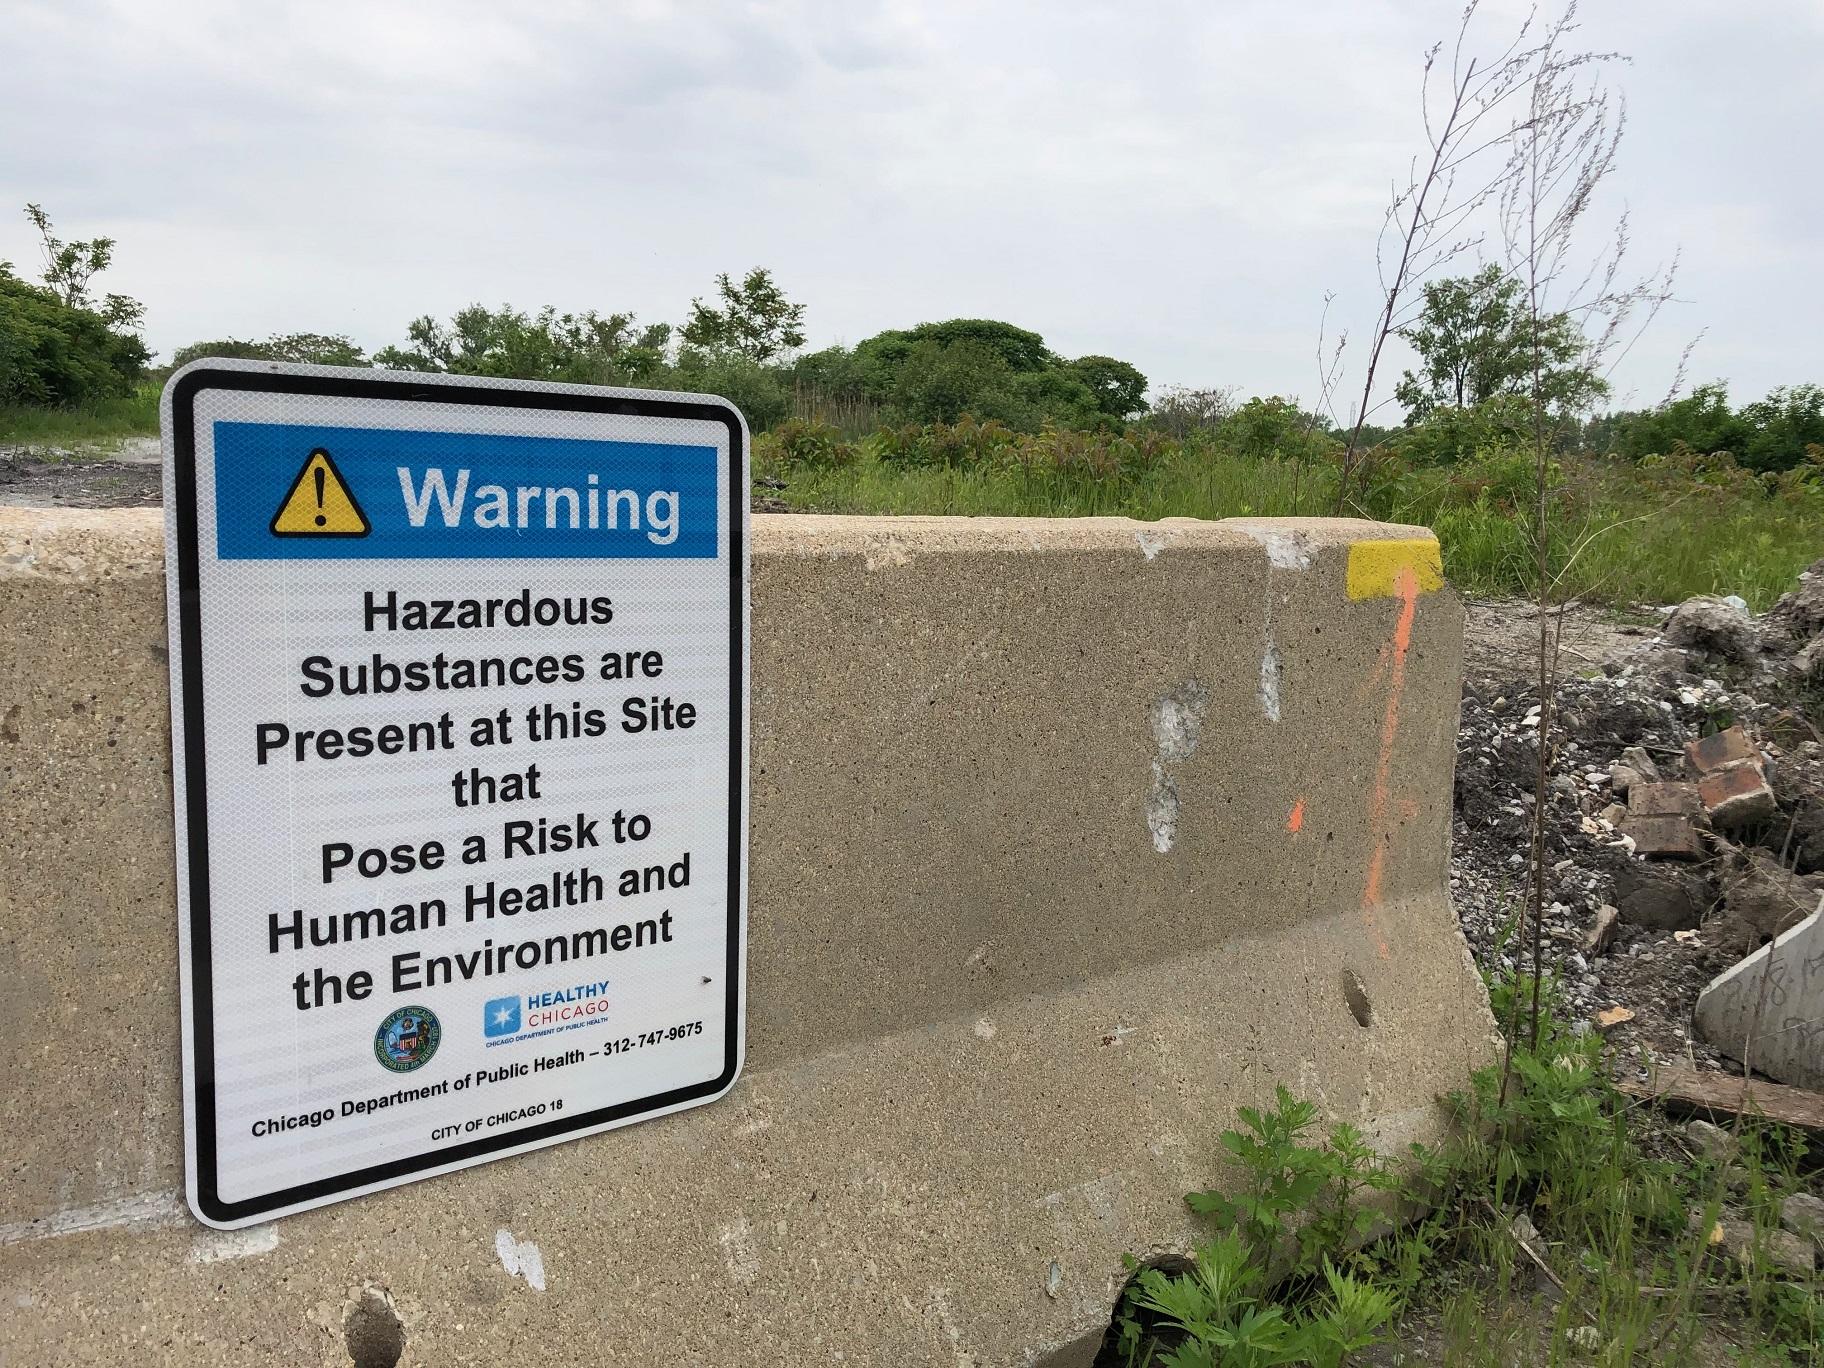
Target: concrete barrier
[1068, 838]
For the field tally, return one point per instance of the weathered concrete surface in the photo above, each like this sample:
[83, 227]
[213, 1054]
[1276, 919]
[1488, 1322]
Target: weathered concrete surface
[1067, 837]
[1768, 1011]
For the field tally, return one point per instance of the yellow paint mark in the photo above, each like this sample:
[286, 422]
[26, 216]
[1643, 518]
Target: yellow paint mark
[320, 503]
[1375, 567]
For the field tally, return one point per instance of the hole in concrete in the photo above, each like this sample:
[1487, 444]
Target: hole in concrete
[1157, 1334]
[375, 1334]
[1357, 997]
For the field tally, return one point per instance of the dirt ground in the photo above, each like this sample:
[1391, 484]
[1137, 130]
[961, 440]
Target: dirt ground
[124, 474]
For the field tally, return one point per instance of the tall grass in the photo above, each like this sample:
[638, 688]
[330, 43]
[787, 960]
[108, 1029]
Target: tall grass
[1623, 535]
[135, 415]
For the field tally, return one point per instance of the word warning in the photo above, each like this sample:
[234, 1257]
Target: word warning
[459, 681]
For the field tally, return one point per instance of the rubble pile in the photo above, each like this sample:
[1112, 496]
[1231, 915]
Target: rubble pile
[1685, 814]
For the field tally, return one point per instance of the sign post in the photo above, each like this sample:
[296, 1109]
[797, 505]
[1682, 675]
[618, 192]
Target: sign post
[459, 682]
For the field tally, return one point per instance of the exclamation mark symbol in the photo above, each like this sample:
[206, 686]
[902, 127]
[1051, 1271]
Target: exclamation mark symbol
[318, 472]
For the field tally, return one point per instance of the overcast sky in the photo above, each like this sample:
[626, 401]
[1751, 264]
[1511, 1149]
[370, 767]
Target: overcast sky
[1176, 184]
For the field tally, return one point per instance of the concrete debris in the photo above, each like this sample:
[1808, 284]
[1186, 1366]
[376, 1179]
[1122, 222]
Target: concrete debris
[1713, 1142]
[1768, 1011]
[1808, 663]
[1634, 767]
[1798, 616]
[1778, 1251]
[1714, 627]
[1674, 774]
[1602, 931]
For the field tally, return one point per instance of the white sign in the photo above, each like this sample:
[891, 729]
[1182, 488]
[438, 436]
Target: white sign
[459, 683]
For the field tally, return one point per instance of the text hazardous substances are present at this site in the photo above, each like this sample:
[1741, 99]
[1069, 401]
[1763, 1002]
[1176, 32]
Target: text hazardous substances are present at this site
[459, 682]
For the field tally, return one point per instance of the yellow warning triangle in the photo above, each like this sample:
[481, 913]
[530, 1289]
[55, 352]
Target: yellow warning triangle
[320, 503]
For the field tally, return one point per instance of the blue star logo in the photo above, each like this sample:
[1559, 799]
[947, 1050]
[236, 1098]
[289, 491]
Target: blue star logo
[501, 1017]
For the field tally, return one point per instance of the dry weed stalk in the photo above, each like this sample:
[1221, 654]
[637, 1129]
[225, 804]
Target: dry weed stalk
[1431, 219]
[1562, 151]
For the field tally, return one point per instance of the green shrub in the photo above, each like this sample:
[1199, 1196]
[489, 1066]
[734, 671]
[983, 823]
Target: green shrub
[797, 444]
[61, 355]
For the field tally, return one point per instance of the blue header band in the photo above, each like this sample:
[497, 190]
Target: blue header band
[455, 495]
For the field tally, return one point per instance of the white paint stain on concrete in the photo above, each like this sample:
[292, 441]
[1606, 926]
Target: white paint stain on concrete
[1177, 722]
[144, 1209]
[216, 1245]
[1162, 810]
[1151, 543]
[1269, 679]
[883, 552]
[737, 1243]
[984, 1029]
[521, 1259]
[1285, 550]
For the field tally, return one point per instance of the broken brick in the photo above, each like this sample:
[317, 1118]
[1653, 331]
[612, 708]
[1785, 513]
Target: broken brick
[1736, 796]
[1719, 749]
[1660, 821]
[1731, 782]
[1662, 800]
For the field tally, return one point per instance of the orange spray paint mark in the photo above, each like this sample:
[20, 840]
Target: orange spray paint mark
[1406, 585]
[1295, 820]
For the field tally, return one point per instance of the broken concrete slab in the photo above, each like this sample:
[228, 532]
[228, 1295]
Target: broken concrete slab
[1768, 1011]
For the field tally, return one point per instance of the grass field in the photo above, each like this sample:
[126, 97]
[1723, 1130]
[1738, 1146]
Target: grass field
[133, 416]
[1621, 535]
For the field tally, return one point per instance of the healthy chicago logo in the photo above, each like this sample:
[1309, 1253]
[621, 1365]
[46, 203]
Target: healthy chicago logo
[535, 1014]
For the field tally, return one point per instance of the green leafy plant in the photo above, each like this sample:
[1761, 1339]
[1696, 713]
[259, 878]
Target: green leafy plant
[1279, 1283]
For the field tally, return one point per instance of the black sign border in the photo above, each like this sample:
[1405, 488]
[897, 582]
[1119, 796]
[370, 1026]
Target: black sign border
[184, 392]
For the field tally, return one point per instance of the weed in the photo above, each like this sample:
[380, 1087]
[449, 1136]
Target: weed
[1549, 1180]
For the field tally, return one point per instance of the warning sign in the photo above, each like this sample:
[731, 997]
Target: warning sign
[319, 503]
[459, 681]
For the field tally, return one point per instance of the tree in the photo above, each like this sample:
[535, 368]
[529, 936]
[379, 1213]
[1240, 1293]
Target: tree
[70, 266]
[508, 343]
[1119, 389]
[57, 345]
[936, 372]
[1019, 349]
[1773, 434]
[1475, 341]
[755, 321]
[1181, 410]
[316, 349]
[59, 355]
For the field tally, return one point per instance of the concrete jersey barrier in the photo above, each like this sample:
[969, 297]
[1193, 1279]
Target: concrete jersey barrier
[1068, 837]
